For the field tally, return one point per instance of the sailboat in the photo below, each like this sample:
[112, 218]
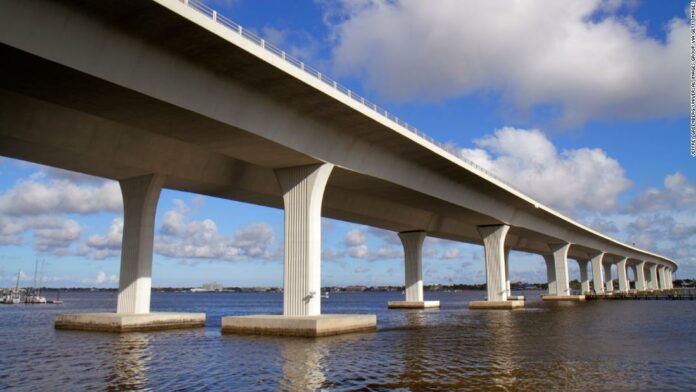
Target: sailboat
[36, 297]
[14, 296]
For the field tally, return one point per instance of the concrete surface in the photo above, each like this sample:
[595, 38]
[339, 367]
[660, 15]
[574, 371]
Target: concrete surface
[496, 304]
[306, 326]
[515, 298]
[119, 322]
[264, 114]
[413, 304]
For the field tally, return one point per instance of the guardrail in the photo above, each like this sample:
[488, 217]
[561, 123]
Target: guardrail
[232, 26]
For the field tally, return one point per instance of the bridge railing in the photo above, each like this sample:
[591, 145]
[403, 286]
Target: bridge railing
[249, 35]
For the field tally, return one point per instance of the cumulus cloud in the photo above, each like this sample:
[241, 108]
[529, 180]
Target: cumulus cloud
[678, 193]
[101, 246]
[180, 238]
[580, 56]
[571, 179]
[102, 277]
[451, 253]
[355, 238]
[54, 234]
[33, 197]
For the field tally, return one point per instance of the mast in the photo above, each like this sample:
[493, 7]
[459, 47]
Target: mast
[36, 269]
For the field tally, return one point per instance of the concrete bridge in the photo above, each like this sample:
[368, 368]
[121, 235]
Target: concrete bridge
[169, 94]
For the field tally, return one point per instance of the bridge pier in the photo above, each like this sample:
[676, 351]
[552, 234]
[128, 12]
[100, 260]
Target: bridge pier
[597, 275]
[640, 277]
[608, 282]
[508, 286]
[412, 242]
[496, 287]
[303, 192]
[584, 278]
[623, 275]
[652, 268]
[662, 277]
[140, 197]
[558, 262]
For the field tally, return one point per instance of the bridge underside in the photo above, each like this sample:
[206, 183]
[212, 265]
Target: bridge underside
[53, 115]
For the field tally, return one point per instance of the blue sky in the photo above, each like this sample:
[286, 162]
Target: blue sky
[582, 104]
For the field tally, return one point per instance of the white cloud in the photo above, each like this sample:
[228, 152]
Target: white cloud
[103, 278]
[32, 197]
[572, 179]
[54, 234]
[100, 246]
[678, 193]
[578, 54]
[179, 238]
[355, 238]
[451, 253]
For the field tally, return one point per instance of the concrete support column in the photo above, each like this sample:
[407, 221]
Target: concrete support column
[557, 274]
[653, 276]
[608, 281]
[507, 272]
[560, 258]
[662, 277]
[412, 242]
[584, 278]
[413, 263]
[550, 274]
[494, 249]
[597, 273]
[641, 284]
[496, 277]
[623, 275]
[670, 276]
[303, 192]
[140, 197]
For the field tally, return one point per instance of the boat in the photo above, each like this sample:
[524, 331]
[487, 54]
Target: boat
[56, 301]
[14, 296]
[325, 295]
[36, 297]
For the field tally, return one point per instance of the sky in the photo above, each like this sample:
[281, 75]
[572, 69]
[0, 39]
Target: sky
[582, 104]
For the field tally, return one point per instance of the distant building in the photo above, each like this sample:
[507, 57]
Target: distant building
[213, 286]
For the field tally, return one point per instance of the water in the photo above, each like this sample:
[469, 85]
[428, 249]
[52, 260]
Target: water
[599, 345]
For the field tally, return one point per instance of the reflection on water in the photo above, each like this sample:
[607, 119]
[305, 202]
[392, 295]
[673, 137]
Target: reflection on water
[302, 364]
[599, 345]
[130, 356]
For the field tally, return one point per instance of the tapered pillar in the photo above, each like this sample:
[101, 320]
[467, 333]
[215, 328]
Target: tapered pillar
[550, 274]
[303, 192]
[641, 284]
[608, 281]
[623, 275]
[653, 276]
[559, 256]
[140, 197]
[662, 278]
[412, 242]
[507, 272]
[584, 277]
[597, 273]
[496, 287]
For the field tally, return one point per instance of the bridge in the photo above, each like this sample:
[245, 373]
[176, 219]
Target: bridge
[170, 94]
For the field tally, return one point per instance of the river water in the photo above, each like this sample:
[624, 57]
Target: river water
[594, 346]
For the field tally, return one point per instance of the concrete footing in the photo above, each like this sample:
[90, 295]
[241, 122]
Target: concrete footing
[124, 322]
[516, 298]
[413, 304]
[306, 326]
[496, 304]
[576, 298]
